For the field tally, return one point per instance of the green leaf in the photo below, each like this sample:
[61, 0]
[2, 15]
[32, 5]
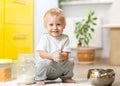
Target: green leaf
[90, 36]
[94, 23]
[92, 29]
[95, 18]
[92, 12]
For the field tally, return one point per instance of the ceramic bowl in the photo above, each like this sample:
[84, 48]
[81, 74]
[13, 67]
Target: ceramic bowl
[101, 77]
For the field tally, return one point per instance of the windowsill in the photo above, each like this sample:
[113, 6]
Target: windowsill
[83, 2]
[111, 26]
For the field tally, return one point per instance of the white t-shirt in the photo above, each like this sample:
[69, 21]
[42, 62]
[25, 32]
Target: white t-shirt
[50, 44]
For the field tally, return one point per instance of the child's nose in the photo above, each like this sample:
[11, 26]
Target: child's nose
[55, 26]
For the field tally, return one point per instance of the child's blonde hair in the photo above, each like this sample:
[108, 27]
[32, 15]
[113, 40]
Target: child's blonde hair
[55, 12]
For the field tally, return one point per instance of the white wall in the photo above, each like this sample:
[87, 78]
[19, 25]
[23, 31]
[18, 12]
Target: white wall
[101, 10]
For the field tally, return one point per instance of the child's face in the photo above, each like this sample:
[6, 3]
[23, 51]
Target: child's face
[54, 25]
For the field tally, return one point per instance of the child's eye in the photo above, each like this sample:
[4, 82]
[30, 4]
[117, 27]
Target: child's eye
[58, 24]
[51, 24]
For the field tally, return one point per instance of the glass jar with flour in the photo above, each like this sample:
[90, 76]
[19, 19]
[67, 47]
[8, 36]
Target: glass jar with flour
[25, 68]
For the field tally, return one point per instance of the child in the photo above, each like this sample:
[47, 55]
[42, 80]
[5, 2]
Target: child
[54, 50]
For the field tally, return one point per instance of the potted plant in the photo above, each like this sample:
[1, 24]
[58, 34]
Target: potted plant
[83, 32]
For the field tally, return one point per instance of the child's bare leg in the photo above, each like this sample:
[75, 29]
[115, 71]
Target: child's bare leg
[40, 83]
[69, 80]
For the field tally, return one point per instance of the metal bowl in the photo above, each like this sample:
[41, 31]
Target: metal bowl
[101, 77]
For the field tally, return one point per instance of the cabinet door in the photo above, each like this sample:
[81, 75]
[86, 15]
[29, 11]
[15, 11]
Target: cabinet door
[1, 28]
[18, 39]
[19, 11]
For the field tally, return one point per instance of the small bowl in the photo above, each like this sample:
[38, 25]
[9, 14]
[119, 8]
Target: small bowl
[101, 77]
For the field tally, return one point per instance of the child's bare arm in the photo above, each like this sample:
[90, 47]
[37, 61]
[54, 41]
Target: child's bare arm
[45, 55]
[55, 56]
[51, 56]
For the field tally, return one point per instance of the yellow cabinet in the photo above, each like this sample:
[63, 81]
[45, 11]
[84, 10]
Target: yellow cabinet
[1, 40]
[19, 11]
[16, 28]
[1, 28]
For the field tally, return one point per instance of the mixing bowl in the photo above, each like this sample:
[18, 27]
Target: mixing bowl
[101, 77]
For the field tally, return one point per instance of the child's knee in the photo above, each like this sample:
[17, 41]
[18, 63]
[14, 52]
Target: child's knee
[71, 61]
[43, 64]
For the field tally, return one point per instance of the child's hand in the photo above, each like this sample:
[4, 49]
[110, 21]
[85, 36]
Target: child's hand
[56, 56]
[61, 57]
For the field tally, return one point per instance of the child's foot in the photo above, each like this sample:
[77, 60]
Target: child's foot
[40, 83]
[69, 80]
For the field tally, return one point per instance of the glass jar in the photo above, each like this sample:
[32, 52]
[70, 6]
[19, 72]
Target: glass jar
[25, 69]
[5, 70]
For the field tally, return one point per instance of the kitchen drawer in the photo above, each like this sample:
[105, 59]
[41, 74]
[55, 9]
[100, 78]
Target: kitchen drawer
[19, 11]
[18, 39]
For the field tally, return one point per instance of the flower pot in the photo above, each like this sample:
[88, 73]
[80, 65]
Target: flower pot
[85, 55]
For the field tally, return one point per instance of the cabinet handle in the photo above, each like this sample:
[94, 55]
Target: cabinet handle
[20, 36]
[22, 2]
